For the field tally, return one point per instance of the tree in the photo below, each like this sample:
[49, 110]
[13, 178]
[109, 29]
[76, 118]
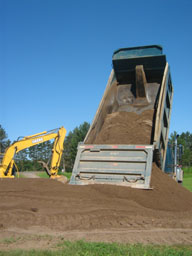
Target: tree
[71, 143]
[184, 139]
[4, 142]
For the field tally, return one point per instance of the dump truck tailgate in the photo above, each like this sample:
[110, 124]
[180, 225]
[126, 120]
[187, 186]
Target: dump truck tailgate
[128, 165]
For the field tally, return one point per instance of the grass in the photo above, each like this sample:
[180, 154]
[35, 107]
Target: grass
[42, 175]
[187, 181]
[66, 174]
[187, 178]
[9, 240]
[113, 249]
[81, 248]
[187, 169]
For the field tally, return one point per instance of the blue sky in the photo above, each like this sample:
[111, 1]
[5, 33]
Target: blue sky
[56, 57]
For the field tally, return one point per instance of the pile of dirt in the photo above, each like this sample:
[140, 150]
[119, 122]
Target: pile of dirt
[126, 128]
[57, 206]
[48, 206]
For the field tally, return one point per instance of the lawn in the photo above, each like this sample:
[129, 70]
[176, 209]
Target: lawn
[81, 248]
[187, 169]
[187, 181]
[187, 178]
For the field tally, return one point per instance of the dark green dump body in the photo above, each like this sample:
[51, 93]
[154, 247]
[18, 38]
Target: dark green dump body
[151, 57]
[135, 52]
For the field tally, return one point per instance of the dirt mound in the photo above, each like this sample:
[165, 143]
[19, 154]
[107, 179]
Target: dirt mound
[132, 128]
[126, 128]
[165, 195]
[48, 206]
[43, 205]
[51, 204]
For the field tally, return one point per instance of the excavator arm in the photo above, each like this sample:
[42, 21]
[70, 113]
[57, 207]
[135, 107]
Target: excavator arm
[7, 164]
[56, 155]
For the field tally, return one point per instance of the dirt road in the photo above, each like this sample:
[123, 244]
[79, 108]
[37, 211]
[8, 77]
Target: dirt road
[30, 174]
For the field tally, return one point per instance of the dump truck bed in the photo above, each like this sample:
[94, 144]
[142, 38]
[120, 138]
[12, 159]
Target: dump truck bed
[131, 125]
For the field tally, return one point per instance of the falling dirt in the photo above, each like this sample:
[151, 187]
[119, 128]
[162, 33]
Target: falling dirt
[125, 128]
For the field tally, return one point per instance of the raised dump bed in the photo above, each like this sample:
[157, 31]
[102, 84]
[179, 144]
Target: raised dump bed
[131, 125]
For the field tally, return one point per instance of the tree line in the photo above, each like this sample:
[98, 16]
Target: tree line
[184, 139]
[27, 159]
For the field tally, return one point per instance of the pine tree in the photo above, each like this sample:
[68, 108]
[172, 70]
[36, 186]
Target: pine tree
[185, 139]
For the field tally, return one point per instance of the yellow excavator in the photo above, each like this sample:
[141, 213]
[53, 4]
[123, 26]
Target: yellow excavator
[8, 163]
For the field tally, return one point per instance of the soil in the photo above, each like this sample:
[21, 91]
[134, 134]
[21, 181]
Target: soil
[126, 128]
[31, 207]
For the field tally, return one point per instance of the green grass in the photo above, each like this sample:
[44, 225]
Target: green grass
[113, 249]
[9, 240]
[42, 175]
[187, 169]
[187, 181]
[81, 248]
[66, 174]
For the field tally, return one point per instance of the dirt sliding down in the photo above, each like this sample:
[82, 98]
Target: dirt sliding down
[166, 193]
[126, 128]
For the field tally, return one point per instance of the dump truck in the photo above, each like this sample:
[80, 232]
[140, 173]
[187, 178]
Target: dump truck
[130, 128]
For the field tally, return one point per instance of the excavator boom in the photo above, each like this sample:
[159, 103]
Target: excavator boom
[7, 164]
